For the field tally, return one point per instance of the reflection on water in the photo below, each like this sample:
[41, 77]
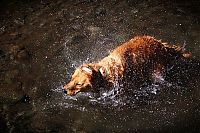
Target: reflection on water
[42, 43]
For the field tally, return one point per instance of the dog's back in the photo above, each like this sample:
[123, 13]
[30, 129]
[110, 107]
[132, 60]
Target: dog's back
[138, 59]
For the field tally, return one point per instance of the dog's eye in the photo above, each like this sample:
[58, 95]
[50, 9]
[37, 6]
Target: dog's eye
[79, 83]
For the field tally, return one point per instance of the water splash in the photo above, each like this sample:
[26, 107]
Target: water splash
[116, 97]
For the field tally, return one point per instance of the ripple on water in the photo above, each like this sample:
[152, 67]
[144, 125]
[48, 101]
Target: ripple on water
[113, 98]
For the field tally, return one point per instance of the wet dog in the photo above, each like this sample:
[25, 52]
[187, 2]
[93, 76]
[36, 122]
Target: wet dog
[139, 60]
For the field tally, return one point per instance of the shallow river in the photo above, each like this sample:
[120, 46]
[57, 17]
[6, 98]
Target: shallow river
[43, 42]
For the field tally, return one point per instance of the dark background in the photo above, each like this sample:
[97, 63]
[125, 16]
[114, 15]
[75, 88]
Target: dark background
[43, 41]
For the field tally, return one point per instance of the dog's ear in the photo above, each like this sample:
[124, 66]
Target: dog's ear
[102, 71]
[87, 70]
[97, 77]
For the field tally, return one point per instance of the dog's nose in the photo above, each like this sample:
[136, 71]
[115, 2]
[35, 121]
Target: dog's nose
[65, 91]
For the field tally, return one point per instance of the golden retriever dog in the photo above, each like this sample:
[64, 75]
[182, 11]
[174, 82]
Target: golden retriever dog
[134, 62]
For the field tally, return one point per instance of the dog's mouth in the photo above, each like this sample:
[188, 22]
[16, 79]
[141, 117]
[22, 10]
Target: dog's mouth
[75, 92]
[71, 93]
[69, 90]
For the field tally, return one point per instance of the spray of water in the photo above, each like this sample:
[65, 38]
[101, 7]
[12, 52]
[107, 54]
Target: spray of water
[115, 97]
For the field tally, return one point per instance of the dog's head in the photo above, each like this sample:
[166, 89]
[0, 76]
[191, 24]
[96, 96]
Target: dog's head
[81, 80]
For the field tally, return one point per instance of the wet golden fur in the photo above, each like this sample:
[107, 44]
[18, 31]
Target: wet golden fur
[133, 62]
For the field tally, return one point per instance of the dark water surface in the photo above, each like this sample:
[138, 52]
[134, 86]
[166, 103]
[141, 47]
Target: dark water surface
[43, 41]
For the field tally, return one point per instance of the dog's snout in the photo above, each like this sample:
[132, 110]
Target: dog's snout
[65, 91]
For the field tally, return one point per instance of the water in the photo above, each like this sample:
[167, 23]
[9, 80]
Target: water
[154, 107]
[43, 42]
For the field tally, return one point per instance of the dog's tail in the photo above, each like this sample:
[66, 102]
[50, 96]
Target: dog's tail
[184, 52]
[181, 50]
